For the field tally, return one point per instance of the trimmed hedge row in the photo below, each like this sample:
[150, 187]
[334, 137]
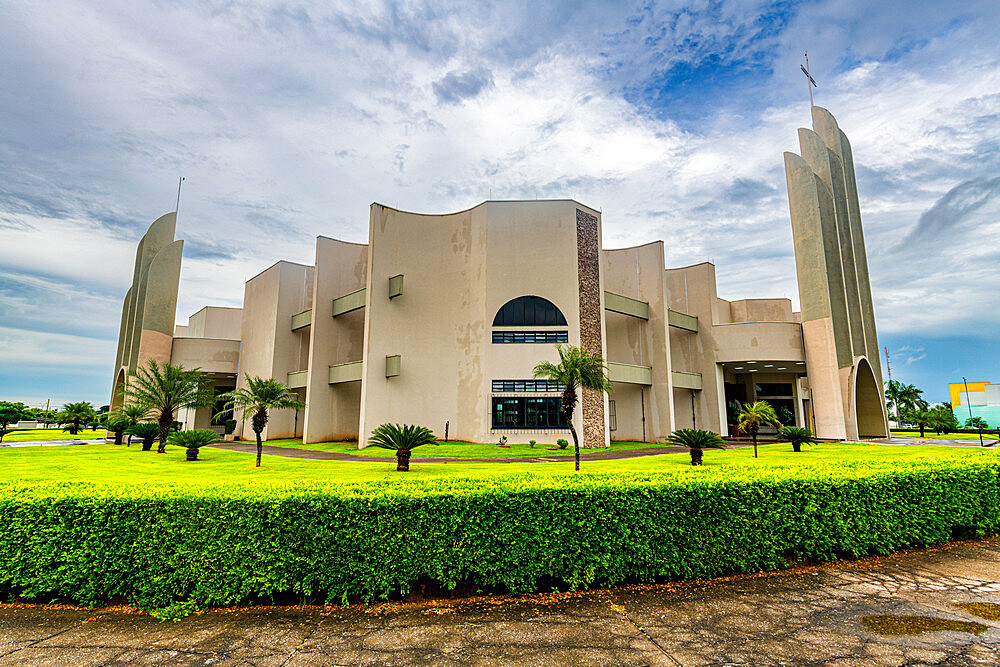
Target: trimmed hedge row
[223, 544]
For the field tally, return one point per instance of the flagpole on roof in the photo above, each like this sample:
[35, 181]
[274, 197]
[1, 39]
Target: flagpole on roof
[177, 205]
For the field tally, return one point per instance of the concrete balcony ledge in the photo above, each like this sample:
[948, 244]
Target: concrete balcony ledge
[349, 372]
[680, 320]
[349, 302]
[618, 303]
[630, 374]
[685, 380]
[302, 320]
[298, 379]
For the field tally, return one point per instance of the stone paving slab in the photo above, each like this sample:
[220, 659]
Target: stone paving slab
[806, 616]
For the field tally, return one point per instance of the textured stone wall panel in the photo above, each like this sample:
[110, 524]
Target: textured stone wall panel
[588, 254]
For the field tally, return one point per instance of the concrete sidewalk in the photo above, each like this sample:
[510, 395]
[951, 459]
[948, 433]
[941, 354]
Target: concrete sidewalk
[808, 616]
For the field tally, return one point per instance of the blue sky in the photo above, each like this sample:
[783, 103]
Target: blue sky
[289, 119]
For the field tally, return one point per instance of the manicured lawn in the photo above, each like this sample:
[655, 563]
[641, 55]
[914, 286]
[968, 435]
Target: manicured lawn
[457, 449]
[931, 435]
[118, 465]
[26, 434]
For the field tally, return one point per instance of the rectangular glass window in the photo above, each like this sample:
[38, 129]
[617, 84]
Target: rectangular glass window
[612, 417]
[530, 337]
[538, 412]
[526, 385]
[774, 389]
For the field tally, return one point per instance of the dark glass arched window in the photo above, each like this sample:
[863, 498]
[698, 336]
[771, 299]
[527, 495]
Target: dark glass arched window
[529, 311]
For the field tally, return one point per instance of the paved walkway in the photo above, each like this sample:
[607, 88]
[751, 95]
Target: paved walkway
[809, 616]
[49, 443]
[591, 455]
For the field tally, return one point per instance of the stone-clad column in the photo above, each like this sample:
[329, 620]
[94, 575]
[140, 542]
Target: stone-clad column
[588, 252]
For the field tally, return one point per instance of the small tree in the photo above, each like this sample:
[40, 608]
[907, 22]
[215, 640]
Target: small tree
[192, 441]
[76, 416]
[753, 416]
[976, 422]
[946, 420]
[697, 441]
[923, 418]
[403, 439]
[797, 436]
[164, 389]
[117, 425]
[576, 368]
[11, 413]
[131, 414]
[147, 431]
[259, 396]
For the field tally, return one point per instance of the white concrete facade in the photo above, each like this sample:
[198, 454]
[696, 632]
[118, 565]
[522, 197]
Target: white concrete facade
[439, 320]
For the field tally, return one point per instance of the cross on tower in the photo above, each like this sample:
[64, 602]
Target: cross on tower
[812, 81]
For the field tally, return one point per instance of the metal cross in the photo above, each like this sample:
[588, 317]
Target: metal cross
[812, 81]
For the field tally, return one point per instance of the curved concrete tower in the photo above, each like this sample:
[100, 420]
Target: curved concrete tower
[838, 321]
[147, 324]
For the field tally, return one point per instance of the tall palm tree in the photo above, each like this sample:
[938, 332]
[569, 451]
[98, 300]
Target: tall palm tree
[911, 398]
[753, 416]
[76, 415]
[165, 389]
[259, 396]
[129, 414]
[892, 391]
[576, 368]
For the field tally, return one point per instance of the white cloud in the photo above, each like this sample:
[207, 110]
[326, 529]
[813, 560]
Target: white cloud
[288, 123]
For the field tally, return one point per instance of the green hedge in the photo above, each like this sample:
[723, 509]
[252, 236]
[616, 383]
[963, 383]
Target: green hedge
[223, 544]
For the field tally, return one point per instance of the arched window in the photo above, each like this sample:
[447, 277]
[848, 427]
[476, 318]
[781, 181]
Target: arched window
[529, 311]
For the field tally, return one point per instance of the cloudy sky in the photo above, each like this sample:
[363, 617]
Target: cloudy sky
[288, 119]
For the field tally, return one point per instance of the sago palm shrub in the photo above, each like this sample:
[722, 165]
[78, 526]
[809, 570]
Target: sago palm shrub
[192, 441]
[697, 440]
[403, 439]
[796, 436]
[131, 414]
[146, 431]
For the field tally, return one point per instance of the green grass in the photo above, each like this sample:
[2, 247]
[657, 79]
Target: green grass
[28, 434]
[455, 449]
[931, 435]
[118, 465]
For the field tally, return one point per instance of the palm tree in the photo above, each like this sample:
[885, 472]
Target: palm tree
[576, 368]
[403, 439]
[696, 440]
[797, 436]
[911, 399]
[131, 414]
[165, 389]
[259, 396]
[892, 391]
[753, 416]
[923, 418]
[76, 415]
